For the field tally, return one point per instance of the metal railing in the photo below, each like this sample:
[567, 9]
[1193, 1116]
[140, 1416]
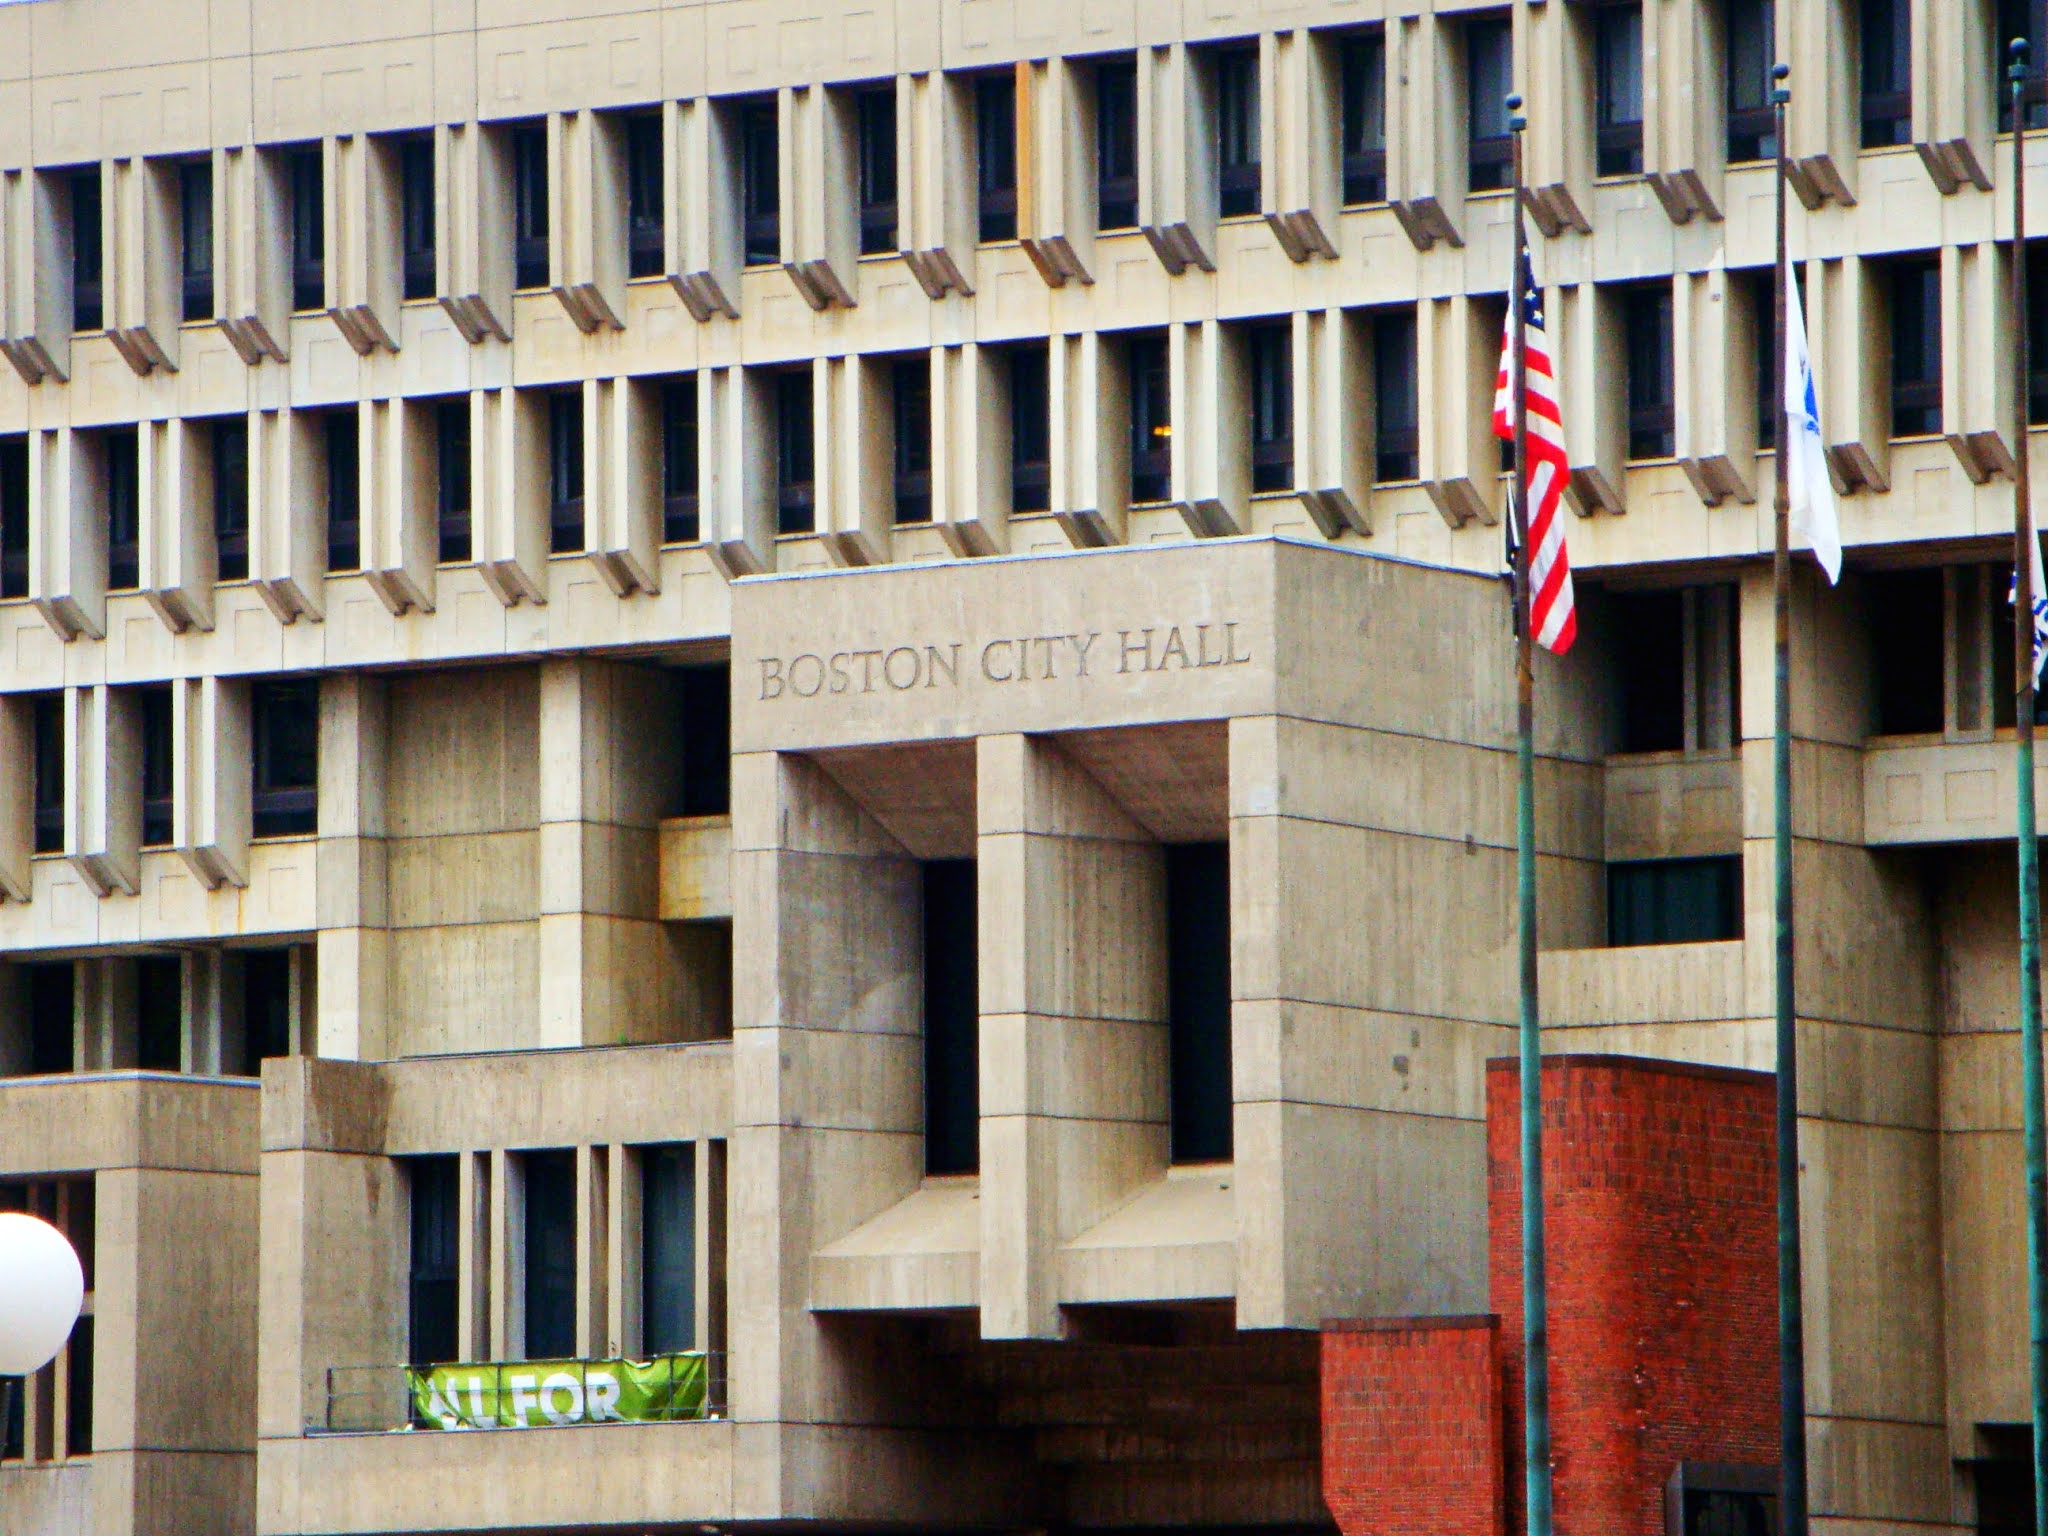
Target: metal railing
[523, 1394]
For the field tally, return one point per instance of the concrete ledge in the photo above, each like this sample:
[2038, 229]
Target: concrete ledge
[922, 1254]
[1177, 1241]
[428, 1480]
[91, 1121]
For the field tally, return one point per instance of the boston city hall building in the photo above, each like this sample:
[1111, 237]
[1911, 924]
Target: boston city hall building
[757, 764]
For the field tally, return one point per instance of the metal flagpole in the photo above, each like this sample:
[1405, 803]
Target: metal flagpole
[1535, 1301]
[2028, 835]
[1791, 1313]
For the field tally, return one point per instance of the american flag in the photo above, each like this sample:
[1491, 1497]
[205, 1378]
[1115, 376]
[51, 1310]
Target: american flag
[1550, 571]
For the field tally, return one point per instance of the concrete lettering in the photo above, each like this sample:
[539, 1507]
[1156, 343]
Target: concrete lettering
[1004, 660]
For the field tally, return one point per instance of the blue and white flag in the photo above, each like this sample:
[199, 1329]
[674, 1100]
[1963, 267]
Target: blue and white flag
[2040, 608]
[1813, 494]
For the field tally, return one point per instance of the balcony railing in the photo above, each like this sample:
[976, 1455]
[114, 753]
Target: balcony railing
[524, 1394]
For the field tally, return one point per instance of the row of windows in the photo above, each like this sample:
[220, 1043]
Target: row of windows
[284, 765]
[1909, 287]
[156, 1026]
[547, 1251]
[1233, 127]
[1023, 368]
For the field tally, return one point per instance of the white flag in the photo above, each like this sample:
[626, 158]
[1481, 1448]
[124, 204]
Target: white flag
[2040, 608]
[1813, 494]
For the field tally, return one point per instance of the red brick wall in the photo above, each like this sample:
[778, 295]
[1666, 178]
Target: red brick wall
[1412, 1426]
[1660, 1205]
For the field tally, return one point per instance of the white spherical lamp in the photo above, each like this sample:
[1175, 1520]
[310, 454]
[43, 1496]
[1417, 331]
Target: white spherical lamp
[41, 1290]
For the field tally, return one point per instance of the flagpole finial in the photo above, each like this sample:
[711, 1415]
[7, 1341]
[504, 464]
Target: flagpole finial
[1516, 122]
[2016, 72]
[1781, 93]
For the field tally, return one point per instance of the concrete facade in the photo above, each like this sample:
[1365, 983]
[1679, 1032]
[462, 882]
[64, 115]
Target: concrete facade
[535, 537]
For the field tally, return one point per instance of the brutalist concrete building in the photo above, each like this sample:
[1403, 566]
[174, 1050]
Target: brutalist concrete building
[756, 759]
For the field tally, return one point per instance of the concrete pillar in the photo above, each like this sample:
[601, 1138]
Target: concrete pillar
[1073, 1020]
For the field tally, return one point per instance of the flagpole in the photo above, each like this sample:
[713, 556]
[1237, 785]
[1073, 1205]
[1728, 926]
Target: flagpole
[1535, 1291]
[2027, 832]
[1791, 1304]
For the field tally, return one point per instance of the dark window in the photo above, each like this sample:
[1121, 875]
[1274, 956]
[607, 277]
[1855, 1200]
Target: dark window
[416, 194]
[1397, 449]
[1714, 1512]
[1770, 389]
[195, 229]
[2037, 331]
[760, 183]
[2021, 18]
[995, 154]
[1198, 1000]
[159, 1012]
[1674, 901]
[12, 1440]
[910, 385]
[309, 229]
[1116, 145]
[565, 472]
[1752, 50]
[530, 206]
[795, 508]
[2004, 1479]
[451, 459]
[1363, 64]
[344, 490]
[78, 1397]
[705, 786]
[266, 1007]
[1907, 634]
[646, 240]
[1651, 664]
[1652, 416]
[1916, 346]
[1489, 78]
[51, 987]
[156, 766]
[952, 1019]
[1030, 428]
[1888, 73]
[1237, 131]
[668, 1249]
[285, 724]
[14, 514]
[231, 496]
[49, 750]
[679, 523]
[549, 1180]
[1618, 88]
[1272, 407]
[877, 110]
[1151, 420]
[88, 254]
[433, 1193]
[124, 509]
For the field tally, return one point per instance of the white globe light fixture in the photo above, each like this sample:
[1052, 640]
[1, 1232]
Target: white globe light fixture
[42, 1288]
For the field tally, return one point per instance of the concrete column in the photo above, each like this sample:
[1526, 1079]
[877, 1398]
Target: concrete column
[350, 880]
[827, 903]
[1869, 981]
[1073, 1028]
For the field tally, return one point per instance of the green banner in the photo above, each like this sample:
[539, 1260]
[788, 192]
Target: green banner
[526, 1394]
